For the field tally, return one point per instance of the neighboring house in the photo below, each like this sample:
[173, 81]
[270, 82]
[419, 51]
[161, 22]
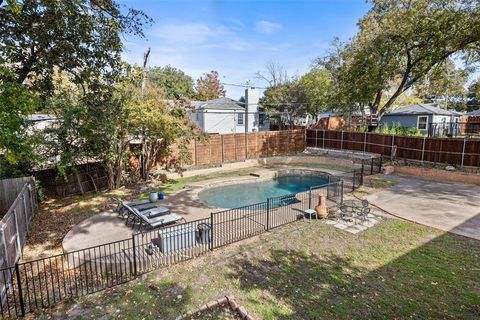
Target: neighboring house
[429, 119]
[224, 115]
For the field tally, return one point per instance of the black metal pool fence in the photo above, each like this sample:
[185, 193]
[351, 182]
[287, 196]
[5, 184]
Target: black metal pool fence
[29, 286]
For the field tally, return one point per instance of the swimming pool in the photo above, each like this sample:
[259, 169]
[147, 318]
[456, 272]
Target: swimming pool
[238, 195]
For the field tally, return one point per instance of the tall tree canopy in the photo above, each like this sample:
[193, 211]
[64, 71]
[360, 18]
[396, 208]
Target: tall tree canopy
[175, 83]
[209, 87]
[404, 40]
[444, 84]
[73, 41]
[78, 36]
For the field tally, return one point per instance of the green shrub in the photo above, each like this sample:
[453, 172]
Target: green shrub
[399, 130]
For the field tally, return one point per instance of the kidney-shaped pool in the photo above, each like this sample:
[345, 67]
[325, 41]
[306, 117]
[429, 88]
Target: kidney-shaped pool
[238, 195]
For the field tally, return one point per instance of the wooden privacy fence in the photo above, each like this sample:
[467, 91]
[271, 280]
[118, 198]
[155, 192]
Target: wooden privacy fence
[18, 201]
[461, 152]
[220, 148]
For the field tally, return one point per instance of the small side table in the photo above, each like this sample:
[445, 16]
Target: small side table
[310, 213]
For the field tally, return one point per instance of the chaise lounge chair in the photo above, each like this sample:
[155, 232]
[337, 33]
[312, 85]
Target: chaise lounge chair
[139, 205]
[153, 218]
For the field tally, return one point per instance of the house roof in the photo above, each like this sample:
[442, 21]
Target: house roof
[418, 109]
[221, 103]
[474, 113]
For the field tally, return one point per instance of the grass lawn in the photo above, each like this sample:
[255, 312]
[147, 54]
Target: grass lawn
[396, 270]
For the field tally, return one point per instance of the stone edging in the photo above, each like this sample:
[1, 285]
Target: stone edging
[242, 312]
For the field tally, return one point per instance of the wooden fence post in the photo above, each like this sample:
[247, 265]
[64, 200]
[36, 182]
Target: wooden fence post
[25, 212]
[223, 156]
[323, 139]
[463, 151]
[17, 234]
[393, 143]
[341, 142]
[316, 138]
[5, 248]
[365, 143]
[246, 146]
[268, 143]
[235, 145]
[423, 148]
[257, 153]
[195, 150]
[288, 139]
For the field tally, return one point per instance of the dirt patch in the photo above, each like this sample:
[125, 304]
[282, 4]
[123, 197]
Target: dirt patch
[438, 175]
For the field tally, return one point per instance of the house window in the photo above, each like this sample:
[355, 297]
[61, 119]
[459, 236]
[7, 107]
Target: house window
[422, 122]
[240, 119]
[261, 119]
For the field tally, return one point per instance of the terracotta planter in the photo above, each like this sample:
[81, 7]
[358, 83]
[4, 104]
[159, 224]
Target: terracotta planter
[321, 208]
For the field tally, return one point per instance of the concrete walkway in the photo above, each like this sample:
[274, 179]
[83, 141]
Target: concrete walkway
[453, 207]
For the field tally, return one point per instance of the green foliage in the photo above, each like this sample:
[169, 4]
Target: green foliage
[400, 42]
[446, 84]
[81, 37]
[473, 97]
[318, 87]
[209, 87]
[174, 82]
[16, 103]
[285, 102]
[398, 130]
[85, 127]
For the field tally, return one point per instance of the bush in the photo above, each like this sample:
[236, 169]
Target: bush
[399, 130]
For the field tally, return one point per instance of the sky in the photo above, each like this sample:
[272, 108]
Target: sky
[237, 38]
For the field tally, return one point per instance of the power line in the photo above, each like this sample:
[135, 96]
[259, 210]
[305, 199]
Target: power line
[242, 85]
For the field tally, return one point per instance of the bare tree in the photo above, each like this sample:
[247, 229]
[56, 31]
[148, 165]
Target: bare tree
[274, 73]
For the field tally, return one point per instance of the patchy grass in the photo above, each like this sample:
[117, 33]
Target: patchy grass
[396, 270]
[57, 216]
[375, 183]
[218, 312]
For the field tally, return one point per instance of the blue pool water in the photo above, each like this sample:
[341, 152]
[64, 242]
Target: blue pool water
[238, 195]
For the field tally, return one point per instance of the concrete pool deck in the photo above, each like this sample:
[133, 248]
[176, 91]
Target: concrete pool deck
[107, 227]
[453, 207]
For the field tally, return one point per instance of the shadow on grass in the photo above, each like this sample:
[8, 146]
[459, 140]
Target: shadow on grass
[165, 300]
[433, 281]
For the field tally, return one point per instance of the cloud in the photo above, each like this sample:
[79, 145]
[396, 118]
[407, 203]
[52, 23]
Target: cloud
[268, 27]
[185, 32]
[201, 35]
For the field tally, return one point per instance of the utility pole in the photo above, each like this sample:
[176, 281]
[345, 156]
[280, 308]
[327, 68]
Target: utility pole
[143, 156]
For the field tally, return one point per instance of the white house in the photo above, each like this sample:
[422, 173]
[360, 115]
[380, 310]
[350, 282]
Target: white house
[224, 115]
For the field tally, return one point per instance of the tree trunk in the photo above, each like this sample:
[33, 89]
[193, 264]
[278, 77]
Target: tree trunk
[111, 182]
[79, 182]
